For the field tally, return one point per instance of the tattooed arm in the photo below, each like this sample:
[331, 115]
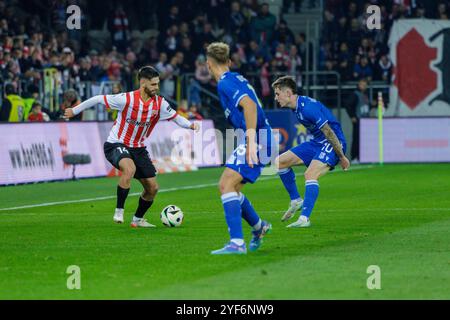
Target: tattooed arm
[334, 141]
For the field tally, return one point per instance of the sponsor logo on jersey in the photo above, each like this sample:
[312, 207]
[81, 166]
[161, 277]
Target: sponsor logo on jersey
[138, 123]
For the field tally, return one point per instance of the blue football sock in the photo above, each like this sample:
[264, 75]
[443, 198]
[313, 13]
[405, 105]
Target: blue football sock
[232, 208]
[288, 178]
[311, 194]
[248, 212]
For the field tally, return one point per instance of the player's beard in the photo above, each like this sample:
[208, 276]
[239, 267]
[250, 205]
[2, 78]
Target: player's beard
[149, 92]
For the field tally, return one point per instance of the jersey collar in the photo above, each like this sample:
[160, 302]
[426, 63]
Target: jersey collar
[298, 104]
[224, 75]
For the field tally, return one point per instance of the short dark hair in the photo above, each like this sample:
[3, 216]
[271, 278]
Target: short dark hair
[9, 89]
[285, 82]
[147, 72]
[36, 104]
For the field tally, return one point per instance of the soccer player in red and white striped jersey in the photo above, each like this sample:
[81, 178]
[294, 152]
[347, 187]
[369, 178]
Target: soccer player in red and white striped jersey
[139, 111]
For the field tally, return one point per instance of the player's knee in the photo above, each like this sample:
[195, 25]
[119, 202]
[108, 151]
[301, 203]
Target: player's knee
[221, 187]
[129, 171]
[282, 163]
[153, 189]
[224, 187]
[311, 175]
[277, 162]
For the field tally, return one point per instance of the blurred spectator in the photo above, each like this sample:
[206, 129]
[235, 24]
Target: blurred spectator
[358, 107]
[202, 79]
[189, 56]
[342, 29]
[29, 98]
[85, 72]
[70, 100]
[237, 65]
[116, 89]
[263, 86]
[373, 63]
[281, 58]
[364, 47]
[354, 35]
[182, 109]
[263, 25]
[168, 41]
[443, 11]
[283, 34]
[287, 5]
[237, 24]
[254, 51]
[184, 31]
[171, 19]
[385, 68]
[329, 26]
[302, 44]
[193, 113]
[295, 64]
[250, 9]
[36, 114]
[5, 106]
[119, 27]
[325, 54]
[162, 68]
[201, 71]
[345, 69]
[172, 70]
[362, 70]
[205, 36]
[13, 106]
[149, 53]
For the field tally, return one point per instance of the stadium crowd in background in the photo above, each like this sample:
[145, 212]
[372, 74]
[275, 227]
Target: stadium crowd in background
[357, 52]
[34, 36]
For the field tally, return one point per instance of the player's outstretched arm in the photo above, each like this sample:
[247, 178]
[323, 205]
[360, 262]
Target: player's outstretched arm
[185, 123]
[72, 112]
[334, 141]
[251, 116]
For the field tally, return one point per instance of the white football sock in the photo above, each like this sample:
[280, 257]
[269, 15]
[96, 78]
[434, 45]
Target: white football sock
[257, 226]
[239, 242]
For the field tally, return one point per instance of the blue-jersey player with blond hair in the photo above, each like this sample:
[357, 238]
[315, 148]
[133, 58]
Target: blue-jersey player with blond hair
[243, 111]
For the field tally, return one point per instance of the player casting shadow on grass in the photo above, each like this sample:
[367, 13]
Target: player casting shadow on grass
[139, 111]
[319, 155]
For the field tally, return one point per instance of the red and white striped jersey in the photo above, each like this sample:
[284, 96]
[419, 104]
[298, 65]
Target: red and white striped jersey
[136, 118]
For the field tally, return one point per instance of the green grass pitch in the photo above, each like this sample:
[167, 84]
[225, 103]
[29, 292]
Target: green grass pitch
[396, 217]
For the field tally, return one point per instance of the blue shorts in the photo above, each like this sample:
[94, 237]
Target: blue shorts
[238, 163]
[323, 152]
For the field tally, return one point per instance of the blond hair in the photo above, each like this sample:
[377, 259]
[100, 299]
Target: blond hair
[219, 51]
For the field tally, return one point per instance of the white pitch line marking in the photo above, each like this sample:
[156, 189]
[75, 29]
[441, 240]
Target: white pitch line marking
[47, 204]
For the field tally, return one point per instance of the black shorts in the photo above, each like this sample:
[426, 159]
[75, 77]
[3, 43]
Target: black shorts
[115, 152]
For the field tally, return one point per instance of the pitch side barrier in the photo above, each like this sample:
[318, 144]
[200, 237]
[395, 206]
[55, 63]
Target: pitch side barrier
[424, 139]
[33, 152]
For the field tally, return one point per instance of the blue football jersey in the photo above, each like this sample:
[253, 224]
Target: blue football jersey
[314, 115]
[232, 87]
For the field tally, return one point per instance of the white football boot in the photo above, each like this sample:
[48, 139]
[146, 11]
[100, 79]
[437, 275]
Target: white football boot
[302, 222]
[141, 223]
[118, 216]
[293, 208]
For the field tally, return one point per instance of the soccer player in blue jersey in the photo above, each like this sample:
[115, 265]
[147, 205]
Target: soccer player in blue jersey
[319, 155]
[244, 111]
